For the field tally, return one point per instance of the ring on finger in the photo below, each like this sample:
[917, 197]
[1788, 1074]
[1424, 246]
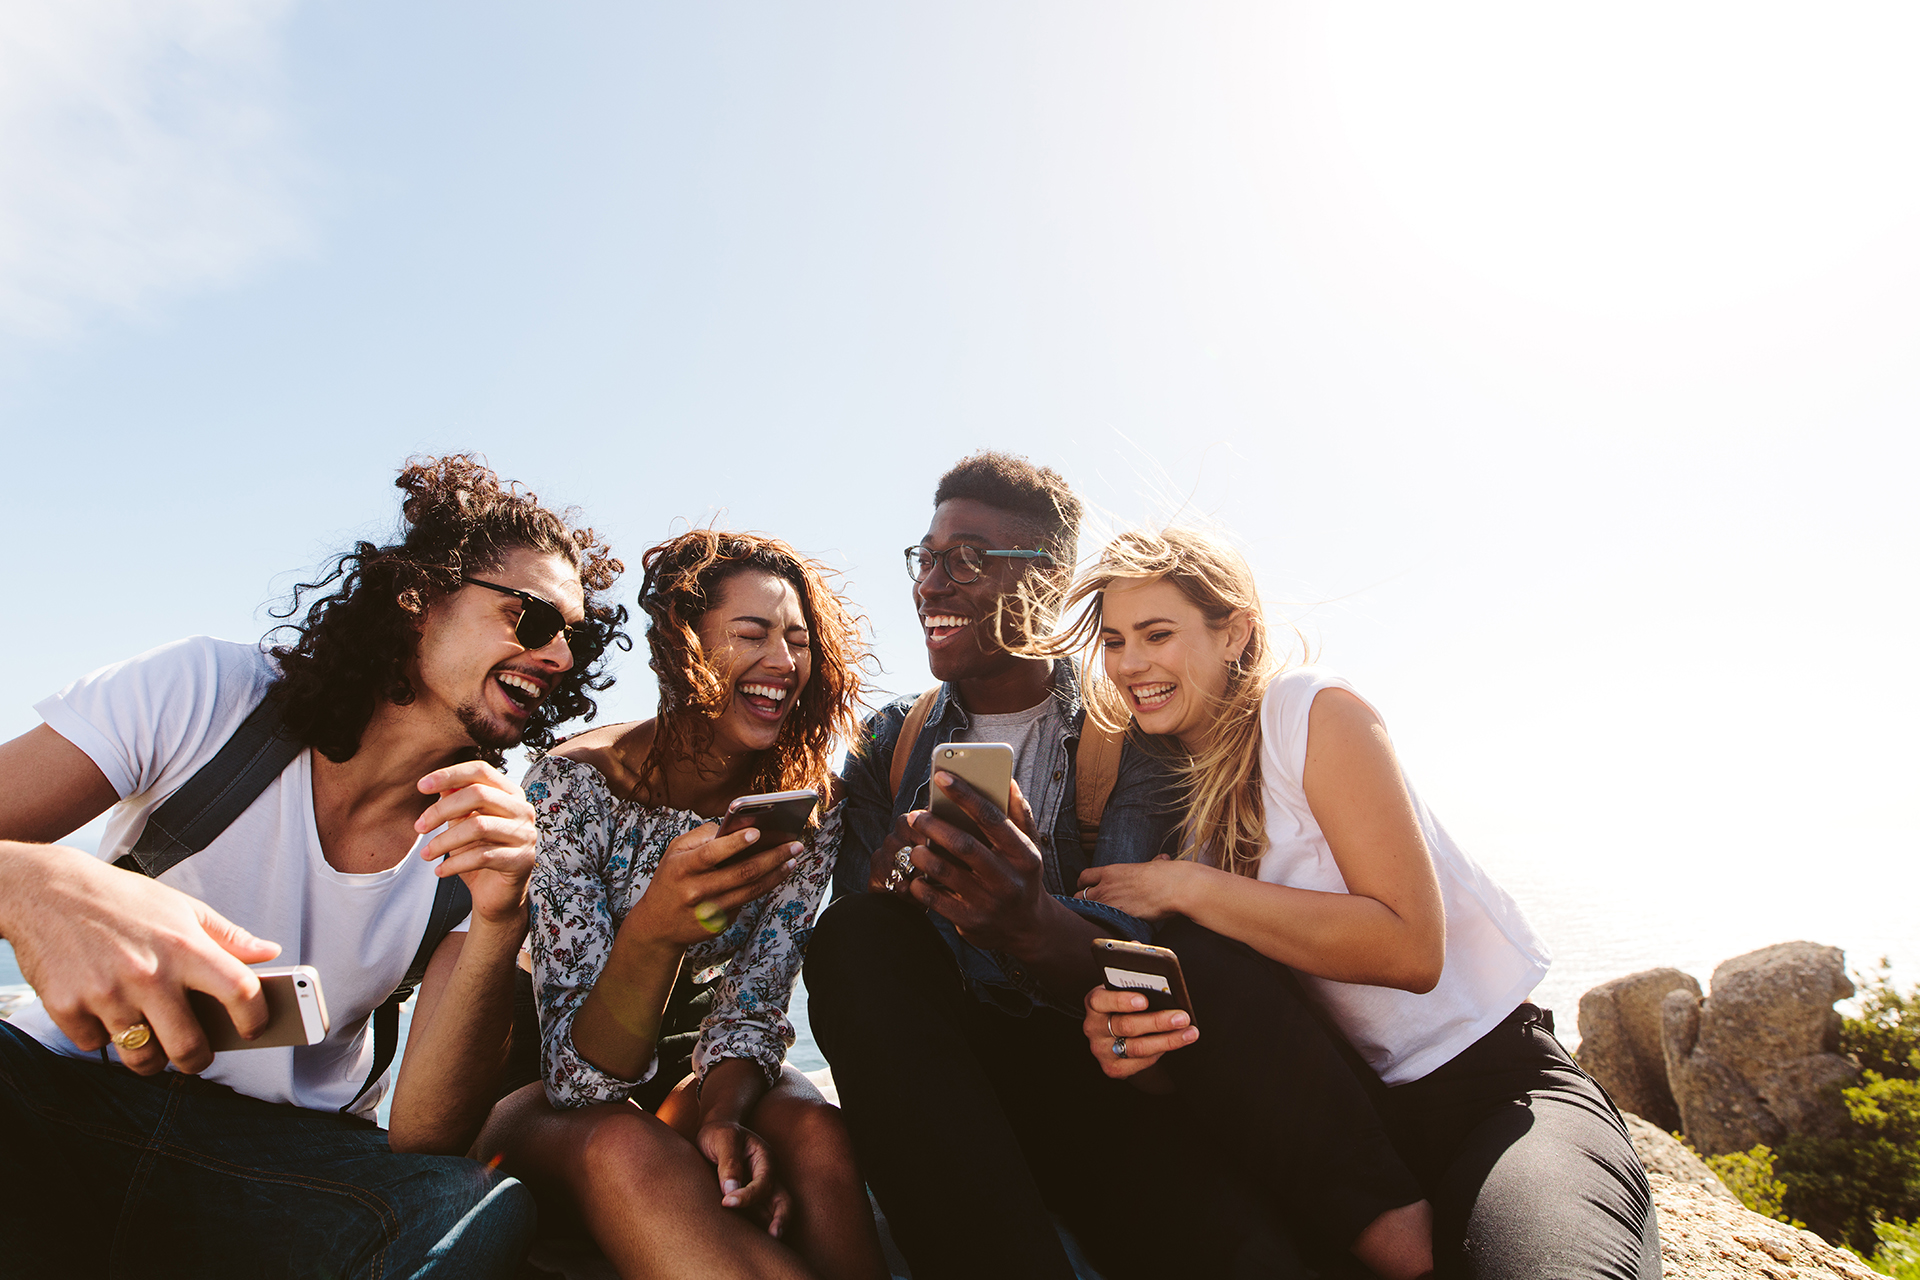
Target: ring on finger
[893, 881]
[1119, 1046]
[1110, 1034]
[132, 1037]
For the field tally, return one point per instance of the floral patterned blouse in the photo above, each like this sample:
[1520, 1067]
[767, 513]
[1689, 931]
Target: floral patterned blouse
[597, 856]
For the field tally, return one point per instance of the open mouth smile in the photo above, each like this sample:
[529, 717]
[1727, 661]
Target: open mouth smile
[941, 628]
[524, 693]
[1152, 697]
[763, 701]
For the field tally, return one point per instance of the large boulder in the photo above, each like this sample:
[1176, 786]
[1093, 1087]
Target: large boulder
[1703, 1237]
[1662, 1153]
[1620, 1041]
[1756, 1059]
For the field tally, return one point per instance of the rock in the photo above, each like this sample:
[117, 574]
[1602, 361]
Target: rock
[1755, 1060]
[1702, 1237]
[1662, 1153]
[1620, 1041]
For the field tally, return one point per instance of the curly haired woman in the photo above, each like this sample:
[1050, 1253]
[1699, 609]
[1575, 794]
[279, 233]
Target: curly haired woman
[643, 928]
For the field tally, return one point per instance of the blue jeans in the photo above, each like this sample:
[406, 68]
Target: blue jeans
[106, 1173]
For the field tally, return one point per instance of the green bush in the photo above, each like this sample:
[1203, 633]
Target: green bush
[1846, 1187]
[1750, 1176]
[1899, 1251]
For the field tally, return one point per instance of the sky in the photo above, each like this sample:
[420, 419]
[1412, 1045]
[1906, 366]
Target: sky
[1555, 368]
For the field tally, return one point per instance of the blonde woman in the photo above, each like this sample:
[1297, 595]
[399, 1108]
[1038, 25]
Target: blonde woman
[1306, 853]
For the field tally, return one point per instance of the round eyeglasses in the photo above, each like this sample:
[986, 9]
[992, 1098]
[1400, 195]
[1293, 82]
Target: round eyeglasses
[962, 563]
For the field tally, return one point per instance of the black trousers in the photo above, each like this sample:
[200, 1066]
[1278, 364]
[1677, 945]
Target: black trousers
[971, 1124]
[1527, 1162]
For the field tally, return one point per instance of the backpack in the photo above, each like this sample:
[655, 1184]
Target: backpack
[1096, 765]
[207, 803]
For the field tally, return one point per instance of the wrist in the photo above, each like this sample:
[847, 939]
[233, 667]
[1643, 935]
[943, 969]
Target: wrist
[1038, 930]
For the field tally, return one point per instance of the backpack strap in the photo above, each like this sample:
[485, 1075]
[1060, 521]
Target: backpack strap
[1096, 766]
[452, 903]
[910, 734]
[219, 791]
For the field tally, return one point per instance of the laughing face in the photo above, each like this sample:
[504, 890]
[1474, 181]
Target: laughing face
[755, 635]
[1167, 660]
[470, 666]
[957, 618]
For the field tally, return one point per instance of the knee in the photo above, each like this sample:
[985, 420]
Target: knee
[620, 1146]
[815, 1137]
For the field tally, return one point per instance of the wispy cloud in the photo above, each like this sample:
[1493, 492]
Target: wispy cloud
[141, 153]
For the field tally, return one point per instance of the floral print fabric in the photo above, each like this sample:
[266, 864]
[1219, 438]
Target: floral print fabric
[597, 857]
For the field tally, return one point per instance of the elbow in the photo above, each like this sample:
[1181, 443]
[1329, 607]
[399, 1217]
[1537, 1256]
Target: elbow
[1423, 968]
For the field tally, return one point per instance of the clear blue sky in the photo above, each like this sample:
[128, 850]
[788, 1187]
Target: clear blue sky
[1559, 367]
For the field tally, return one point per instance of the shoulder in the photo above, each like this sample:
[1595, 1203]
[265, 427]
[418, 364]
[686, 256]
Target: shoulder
[614, 751]
[879, 731]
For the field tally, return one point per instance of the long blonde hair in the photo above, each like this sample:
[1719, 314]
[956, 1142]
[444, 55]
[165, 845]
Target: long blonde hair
[1225, 824]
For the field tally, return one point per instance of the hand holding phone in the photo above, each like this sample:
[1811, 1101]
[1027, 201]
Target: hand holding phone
[1126, 1041]
[296, 1011]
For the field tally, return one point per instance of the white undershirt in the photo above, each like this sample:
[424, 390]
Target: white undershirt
[149, 723]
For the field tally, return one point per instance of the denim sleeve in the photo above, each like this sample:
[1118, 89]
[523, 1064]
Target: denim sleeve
[866, 815]
[1142, 817]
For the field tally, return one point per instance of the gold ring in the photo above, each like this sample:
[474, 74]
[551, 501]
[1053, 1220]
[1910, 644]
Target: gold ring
[710, 917]
[133, 1037]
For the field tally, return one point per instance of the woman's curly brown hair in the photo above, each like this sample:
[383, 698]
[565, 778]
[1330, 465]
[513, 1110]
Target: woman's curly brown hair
[683, 580]
[352, 650]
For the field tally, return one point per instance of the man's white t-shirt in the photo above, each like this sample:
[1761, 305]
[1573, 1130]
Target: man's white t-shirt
[149, 724]
[1494, 959]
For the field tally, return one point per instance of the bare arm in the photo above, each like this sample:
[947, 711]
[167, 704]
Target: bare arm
[106, 948]
[1388, 929]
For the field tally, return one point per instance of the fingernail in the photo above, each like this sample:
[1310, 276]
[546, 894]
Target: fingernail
[729, 1186]
[796, 848]
[1138, 1002]
[751, 835]
[791, 864]
[944, 778]
[1190, 1035]
[1181, 1019]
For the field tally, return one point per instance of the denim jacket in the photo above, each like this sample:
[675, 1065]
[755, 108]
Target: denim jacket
[1139, 823]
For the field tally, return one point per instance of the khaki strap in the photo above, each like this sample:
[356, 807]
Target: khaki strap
[910, 734]
[1098, 766]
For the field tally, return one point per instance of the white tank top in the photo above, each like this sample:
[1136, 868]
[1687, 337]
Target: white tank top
[1493, 958]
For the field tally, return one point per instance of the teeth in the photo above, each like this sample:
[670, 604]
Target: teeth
[774, 692]
[944, 620]
[1150, 692]
[521, 683]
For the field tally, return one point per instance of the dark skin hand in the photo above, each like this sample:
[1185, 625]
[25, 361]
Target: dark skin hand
[993, 892]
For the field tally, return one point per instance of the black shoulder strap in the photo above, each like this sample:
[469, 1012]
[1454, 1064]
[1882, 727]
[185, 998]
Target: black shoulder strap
[194, 816]
[452, 903]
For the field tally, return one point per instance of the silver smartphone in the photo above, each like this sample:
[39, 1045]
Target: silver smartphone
[988, 766]
[296, 1011]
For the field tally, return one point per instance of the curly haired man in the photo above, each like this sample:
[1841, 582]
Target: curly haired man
[381, 810]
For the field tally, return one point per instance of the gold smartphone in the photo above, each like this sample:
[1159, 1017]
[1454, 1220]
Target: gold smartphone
[986, 766]
[1152, 971]
[296, 1011]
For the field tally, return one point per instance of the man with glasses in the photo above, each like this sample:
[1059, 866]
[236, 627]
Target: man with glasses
[347, 813]
[945, 981]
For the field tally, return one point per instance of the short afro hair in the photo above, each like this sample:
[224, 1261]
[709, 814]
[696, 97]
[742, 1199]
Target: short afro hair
[1038, 497]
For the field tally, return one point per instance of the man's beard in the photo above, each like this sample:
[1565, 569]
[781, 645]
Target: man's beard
[488, 733]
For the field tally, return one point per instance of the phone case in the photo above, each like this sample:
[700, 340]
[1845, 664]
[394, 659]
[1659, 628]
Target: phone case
[781, 816]
[1152, 971]
[296, 1012]
[988, 766]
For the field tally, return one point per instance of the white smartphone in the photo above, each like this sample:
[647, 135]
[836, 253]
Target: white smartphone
[988, 766]
[296, 1011]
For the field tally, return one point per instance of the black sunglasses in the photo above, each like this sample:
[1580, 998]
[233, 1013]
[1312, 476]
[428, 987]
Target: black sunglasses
[540, 622]
[963, 563]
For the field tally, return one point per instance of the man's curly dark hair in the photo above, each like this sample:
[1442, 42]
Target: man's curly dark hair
[1037, 497]
[352, 651]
